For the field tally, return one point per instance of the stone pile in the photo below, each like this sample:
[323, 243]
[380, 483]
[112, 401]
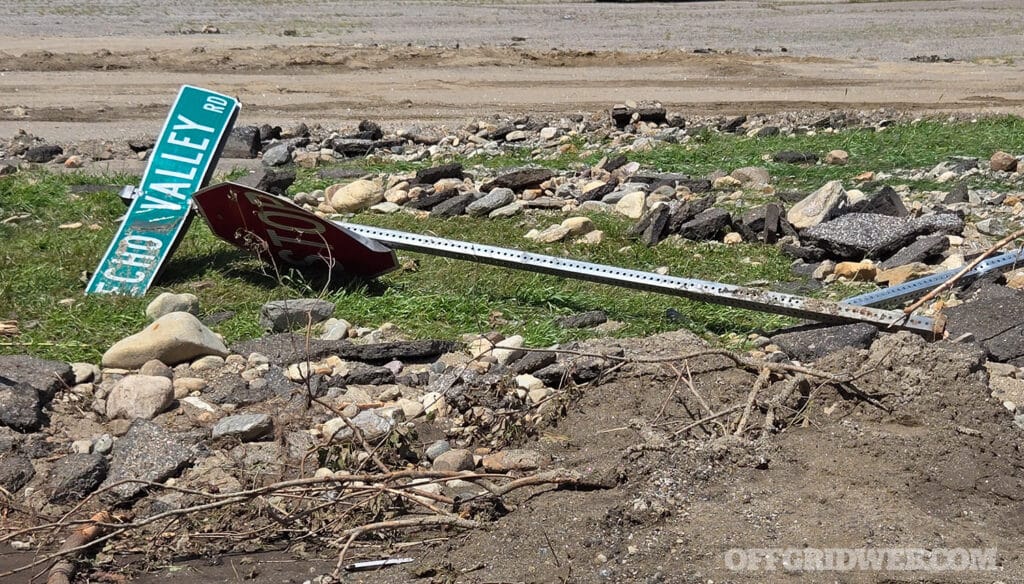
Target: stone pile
[176, 406]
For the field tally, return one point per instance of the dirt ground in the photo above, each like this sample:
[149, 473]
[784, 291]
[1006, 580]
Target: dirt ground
[107, 69]
[941, 468]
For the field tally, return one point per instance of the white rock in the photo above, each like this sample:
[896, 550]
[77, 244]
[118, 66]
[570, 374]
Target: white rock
[540, 394]
[528, 382]
[386, 208]
[355, 196]
[578, 225]
[335, 329]
[167, 303]
[479, 347]
[632, 205]
[140, 396]
[819, 206]
[509, 349]
[433, 402]
[81, 446]
[174, 338]
[207, 363]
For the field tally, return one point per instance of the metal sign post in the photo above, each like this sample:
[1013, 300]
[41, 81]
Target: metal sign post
[278, 213]
[182, 161]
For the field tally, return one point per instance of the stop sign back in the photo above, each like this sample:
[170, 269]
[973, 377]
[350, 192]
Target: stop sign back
[280, 231]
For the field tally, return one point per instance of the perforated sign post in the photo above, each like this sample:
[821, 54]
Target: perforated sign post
[181, 163]
[281, 232]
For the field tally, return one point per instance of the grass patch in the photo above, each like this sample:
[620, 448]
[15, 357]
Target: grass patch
[42, 266]
[919, 145]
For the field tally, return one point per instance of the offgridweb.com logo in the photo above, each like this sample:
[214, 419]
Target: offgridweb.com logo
[862, 559]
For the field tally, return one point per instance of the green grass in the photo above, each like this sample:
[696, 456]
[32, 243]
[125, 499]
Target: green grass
[920, 145]
[41, 265]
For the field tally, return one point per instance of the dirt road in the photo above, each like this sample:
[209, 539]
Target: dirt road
[108, 68]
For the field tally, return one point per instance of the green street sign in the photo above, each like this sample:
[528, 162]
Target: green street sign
[181, 163]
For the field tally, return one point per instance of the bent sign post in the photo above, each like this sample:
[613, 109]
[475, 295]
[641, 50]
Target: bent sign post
[277, 229]
[181, 162]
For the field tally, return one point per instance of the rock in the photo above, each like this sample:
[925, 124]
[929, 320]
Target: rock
[75, 476]
[725, 183]
[454, 461]
[764, 132]
[653, 226]
[43, 154]
[809, 343]
[552, 234]
[146, 452]
[427, 201]
[856, 271]
[369, 423]
[752, 176]
[819, 206]
[278, 155]
[706, 225]
[991, 226]
[287, 348]
[272, 180]
[1007, 389]
[48, 377]
[103, 444]
[732, 124]
[922, 250]
[837, 157]
[435, 173]
[519, 180]
[793, 157]
[453, 207]
[244, 427]
[16, 471]
[1000, 161]
[578, 226]
[285, 315]
[624, 114]
[858, 235]
[167, 302]
[765, 223]
[207, 363]
[354, 147]
[510, 210]
[335, 329]
[632, 205]
[242, 142]
[493, 200]
[516, 459]
[85, 372]
[156, 368]
[995, 317]
[140, 396]
[355, 196]
[902, 273]
[958, 194]
[21, 407]
[83, 446]
[587, 319]
[886, 202]
[173, 338]
[437, 449]
[531, 362]
[508, 349]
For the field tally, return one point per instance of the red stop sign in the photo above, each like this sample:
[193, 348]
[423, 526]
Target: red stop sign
[280, 231]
